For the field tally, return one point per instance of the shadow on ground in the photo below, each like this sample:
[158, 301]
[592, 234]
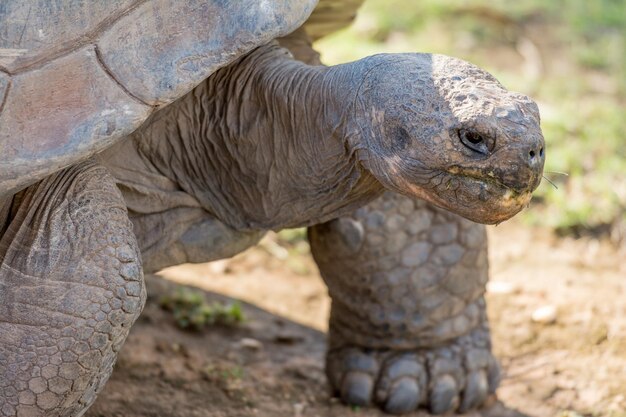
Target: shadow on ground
[268, 366]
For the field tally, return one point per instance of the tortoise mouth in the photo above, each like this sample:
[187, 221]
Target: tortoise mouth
[489, 178]
[494, 201]
[478, 194]
[479, 199]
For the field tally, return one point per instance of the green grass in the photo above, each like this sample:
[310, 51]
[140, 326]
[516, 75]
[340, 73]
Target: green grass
[579, 81]
[191, 311]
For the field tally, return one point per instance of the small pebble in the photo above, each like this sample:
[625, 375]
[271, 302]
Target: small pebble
[500, 287]
[298, 409]
[249, 343]
[219, 267]
[544, 315]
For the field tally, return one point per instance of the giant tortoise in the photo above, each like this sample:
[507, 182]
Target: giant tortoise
[140, 134]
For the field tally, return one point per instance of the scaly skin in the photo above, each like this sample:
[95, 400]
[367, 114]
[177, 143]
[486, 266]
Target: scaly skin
[71, 286]
[408, 326]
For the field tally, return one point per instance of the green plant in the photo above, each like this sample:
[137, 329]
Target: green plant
[191, 311]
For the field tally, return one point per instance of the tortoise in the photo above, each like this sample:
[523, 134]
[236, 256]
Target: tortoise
[136, 135]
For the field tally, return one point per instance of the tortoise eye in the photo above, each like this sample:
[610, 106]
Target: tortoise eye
[475, 141]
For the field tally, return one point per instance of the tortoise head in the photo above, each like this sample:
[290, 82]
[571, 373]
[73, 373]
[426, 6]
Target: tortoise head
[441, 129]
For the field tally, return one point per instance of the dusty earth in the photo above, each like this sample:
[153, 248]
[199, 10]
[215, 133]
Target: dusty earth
[569, 363]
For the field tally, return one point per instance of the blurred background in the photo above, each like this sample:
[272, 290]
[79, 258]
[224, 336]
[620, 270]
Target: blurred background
[569, 55]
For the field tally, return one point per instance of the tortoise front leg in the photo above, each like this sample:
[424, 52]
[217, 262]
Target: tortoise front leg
[71, 286]
[408, 326]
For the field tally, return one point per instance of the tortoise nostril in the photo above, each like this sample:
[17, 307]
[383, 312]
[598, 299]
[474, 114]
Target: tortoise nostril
[533, 153]
[535, 156]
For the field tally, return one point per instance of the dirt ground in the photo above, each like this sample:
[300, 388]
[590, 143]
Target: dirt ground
[568, 362]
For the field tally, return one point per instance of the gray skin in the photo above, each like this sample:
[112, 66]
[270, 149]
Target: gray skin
[265, 143]
[408, 325]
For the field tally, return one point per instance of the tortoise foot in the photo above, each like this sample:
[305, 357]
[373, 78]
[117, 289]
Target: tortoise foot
[458, 376]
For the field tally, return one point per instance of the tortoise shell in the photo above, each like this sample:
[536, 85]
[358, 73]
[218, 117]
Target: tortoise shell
[77, 75]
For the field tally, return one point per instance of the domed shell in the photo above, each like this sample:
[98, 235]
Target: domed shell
[77, 75]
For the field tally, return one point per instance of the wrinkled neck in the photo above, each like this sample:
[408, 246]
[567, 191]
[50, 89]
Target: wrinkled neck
[262, 144]
[310, 106]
